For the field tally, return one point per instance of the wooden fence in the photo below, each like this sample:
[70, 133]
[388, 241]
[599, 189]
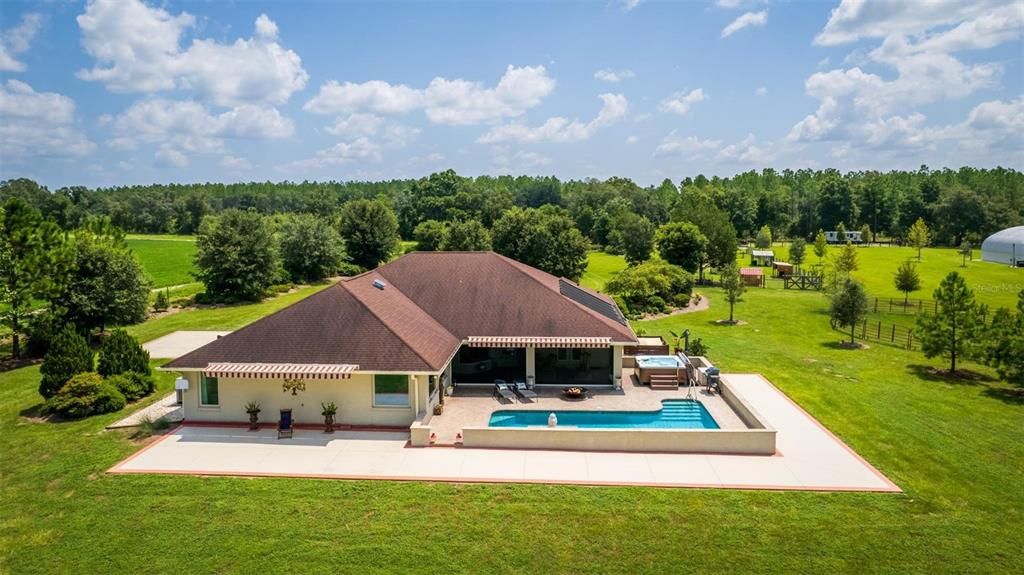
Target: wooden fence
[908, 306]
[891, 333]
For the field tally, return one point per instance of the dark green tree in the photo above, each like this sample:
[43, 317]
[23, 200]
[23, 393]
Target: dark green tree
[764, 237]
[122, 353]
[545, 238]
[956, 326]
[466, 236]
[69, 355]
[714, 224]
[1005, 347]
[36, 258]
[310, 248]
[637, 237]
[429, 235]
[849, 306]
[370, 230]
[682, 244]
[106, 286]
[235, 256]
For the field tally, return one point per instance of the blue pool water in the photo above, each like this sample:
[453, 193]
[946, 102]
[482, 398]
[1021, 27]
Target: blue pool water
[674, 414]
[659, 361]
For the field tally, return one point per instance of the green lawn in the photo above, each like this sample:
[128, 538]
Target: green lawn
[166, 259]
[956, 449]
[600, 268]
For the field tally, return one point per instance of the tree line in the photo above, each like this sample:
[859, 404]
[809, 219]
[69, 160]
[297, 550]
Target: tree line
[968, 203]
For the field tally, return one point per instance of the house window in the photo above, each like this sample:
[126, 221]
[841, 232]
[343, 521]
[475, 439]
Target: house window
[208, 391]
[390, 390]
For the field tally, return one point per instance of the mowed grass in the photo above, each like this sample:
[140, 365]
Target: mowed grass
[601, 267]
[956, 450]
[167, 260]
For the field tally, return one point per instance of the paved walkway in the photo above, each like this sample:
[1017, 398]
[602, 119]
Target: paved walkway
[166, 407]
[179, 343]
[810, 457]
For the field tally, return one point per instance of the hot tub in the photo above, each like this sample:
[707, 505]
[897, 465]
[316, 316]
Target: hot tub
[646, 365]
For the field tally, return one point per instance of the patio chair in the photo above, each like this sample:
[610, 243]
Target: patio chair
[524, 392]
[285, 425]
[502, 391]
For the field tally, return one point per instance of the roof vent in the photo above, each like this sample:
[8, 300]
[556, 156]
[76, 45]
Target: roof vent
[379, 284]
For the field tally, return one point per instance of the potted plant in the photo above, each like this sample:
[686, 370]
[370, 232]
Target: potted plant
[253, 409]
[328, 410]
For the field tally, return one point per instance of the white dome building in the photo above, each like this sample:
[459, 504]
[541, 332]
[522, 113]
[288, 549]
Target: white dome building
[1005, 247]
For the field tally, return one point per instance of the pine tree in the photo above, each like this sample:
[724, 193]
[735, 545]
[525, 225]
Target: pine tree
[69, 355]
[956, 325]
[121, 353]
[846, 261]
[849, 306]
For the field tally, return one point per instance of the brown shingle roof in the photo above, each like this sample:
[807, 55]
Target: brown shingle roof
[429, 303]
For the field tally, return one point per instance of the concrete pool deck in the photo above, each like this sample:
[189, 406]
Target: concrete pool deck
[809, 458]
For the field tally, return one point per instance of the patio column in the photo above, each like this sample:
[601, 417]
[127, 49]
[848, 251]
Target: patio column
[617, 365]
[415, 395]
[531, 364]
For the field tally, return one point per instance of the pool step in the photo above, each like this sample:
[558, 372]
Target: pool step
[666, 382]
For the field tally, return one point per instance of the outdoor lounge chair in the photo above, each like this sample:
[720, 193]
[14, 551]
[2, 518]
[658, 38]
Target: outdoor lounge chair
[523, 391]
[503, 391]
[285, 425]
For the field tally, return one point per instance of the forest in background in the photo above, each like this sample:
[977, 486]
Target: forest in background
[957, 205]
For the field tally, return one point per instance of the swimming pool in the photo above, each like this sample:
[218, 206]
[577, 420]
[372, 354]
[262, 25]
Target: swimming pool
[670, 361]
[674, 414]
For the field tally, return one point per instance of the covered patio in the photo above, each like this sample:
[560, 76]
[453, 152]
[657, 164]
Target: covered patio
[544, 361]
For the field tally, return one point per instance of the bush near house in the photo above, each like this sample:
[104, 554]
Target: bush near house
[86, 394]
[68, 355]
[648, 287]
[120, 354]
[133, 386]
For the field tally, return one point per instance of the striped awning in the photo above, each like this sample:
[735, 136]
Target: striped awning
[281, 370]
[504, 341]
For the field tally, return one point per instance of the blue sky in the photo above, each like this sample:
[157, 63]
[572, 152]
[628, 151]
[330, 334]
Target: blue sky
[130, 91]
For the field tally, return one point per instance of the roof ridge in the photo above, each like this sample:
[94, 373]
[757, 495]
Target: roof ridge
[252, 324]
[388, 326]
[554, 289]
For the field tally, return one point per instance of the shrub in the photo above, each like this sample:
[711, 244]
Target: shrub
[42, 328]
[149, 426]
[68, 355]
[122, 353]
[645, 288]
[697, 347]
[133, 386]
[348, 269]
[86, 394]
[162, 301]
[681, 300]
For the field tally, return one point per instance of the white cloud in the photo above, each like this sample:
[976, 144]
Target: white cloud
[355, 125]
[628, 5]
[234, 163]
[630, 140]
[170, 158]
[507, 161]
[137, 49]
[38, 124]
[728, 4]
[180, 128]
[609, 75]
[762, 91]
[692, 146]
[360, 149]
[853, 20]
[453, 102]
[745, 151]
[614, 107]
[744, 21]
[16, 40]
[680, 102]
